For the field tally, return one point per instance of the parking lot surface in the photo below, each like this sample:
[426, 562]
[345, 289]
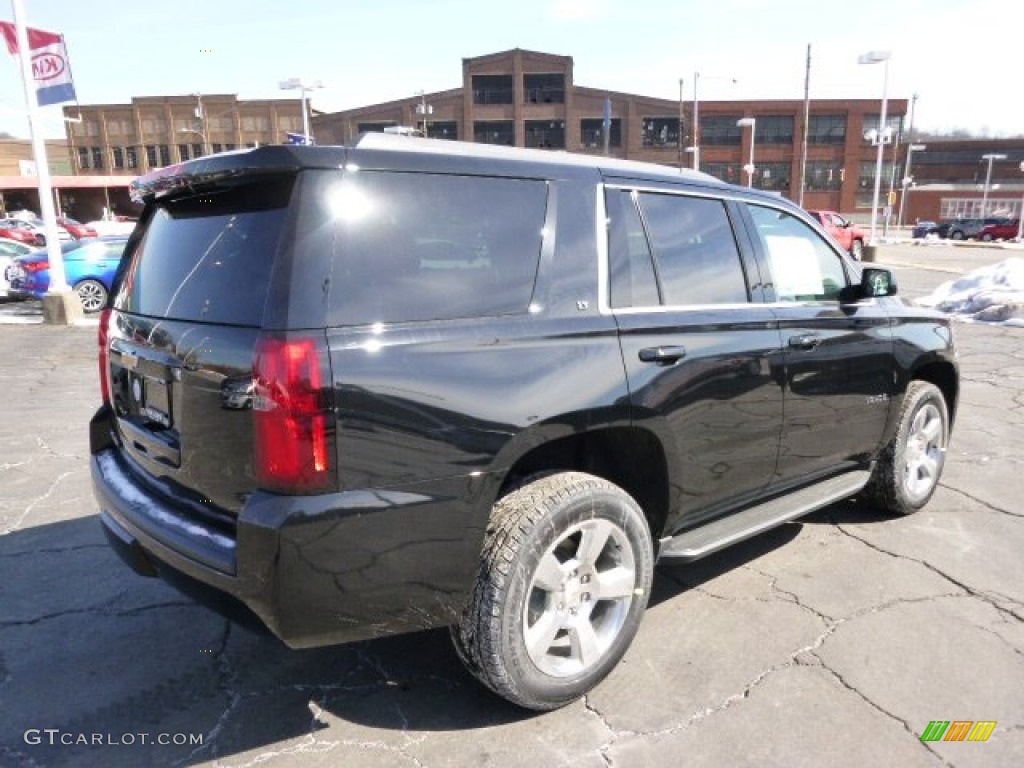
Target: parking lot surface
[834, 640]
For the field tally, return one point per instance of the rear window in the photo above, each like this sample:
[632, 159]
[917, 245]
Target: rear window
[416, 246]
[208, 257]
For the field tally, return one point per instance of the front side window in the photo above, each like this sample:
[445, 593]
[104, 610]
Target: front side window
[803, 266]
[695, 251]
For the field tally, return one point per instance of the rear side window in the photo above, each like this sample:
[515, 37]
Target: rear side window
[208, 257]
[413, 246]
[695, 252]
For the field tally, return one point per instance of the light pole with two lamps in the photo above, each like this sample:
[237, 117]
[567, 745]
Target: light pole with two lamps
[298, 84]
[878, 137]
[749, 122]
[988, 180]
[694, 149]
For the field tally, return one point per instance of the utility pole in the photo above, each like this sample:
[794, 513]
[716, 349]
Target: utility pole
[807, 125]
[680, 124]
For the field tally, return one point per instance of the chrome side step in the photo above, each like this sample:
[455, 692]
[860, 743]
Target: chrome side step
[736, 527]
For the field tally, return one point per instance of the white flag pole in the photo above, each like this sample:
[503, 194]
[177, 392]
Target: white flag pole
[59, 291]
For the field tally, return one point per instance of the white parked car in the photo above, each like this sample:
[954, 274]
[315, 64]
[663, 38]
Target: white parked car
[116, 227]
[8, 250]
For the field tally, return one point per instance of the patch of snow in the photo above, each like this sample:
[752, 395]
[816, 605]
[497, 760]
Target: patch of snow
[993, 294]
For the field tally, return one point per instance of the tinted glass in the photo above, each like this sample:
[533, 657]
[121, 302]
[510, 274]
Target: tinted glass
[428, 247]
[208, 257]
[695, 252]
[804, 267]
[633, 283]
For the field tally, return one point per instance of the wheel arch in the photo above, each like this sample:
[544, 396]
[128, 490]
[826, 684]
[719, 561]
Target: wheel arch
[630, 457]
[943, 375]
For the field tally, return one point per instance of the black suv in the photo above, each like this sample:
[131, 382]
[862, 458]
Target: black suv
[412, 383]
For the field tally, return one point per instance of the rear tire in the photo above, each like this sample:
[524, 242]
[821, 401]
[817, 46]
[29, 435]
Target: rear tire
[908, 471]
[957, 235]
[564, 579]
[987, 237]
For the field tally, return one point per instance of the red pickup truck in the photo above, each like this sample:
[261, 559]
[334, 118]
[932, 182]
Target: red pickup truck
[846, 233]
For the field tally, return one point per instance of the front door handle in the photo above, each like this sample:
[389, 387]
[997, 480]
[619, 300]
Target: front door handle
[662, 355]
[805, 341]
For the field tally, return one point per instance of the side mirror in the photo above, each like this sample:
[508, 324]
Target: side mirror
[875, 282]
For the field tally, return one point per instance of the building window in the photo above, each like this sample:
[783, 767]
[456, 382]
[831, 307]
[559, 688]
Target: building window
[83, 157]
[165, 154]
[217, 148]
[198, 150]
[826, 129]
[772, 176]
[544, 89]
[154, 125]
[97, 157]
[183, 153]
[377, 127]
[893, 122]
[443, 129]
[728, 172]
[492, 89]
[823, 176]
[92, 128]
[151, 156]
[118, 154]
[774, 129]
[494, 132]
[255, 123]
[230, 147]
[131, 155]
[660, 131]
[866, 183]
[545, 134]
[592, 133]
[721, 131]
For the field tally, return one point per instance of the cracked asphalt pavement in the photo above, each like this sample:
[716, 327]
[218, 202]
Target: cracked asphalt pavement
[833, 640]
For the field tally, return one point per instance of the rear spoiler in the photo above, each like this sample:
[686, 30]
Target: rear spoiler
[226, 168]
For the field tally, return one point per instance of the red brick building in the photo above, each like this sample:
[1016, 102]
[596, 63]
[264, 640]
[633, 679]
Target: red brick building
[530, 99]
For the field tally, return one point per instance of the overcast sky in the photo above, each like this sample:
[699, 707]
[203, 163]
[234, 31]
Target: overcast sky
[963, 57]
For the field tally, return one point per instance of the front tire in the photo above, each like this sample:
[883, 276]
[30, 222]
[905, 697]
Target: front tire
[564, 579]
[908, 471]
[987, 237]
[957, 235]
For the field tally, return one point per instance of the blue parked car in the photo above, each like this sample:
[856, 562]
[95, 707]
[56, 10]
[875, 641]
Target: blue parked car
[89, 267]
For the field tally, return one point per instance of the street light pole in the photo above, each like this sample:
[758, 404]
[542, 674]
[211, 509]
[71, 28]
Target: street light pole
[908, 180]
[203, 129]
[749, 122]
[874, 57]
[297, 83]
[988, 181]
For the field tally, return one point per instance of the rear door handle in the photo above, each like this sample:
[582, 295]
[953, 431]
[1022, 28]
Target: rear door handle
[662, 355]
[805, 341]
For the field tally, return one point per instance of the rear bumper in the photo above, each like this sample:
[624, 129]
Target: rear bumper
[315, 570]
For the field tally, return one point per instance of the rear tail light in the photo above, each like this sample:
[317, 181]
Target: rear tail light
[104, 342]
[35, 266]
[292, 415]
